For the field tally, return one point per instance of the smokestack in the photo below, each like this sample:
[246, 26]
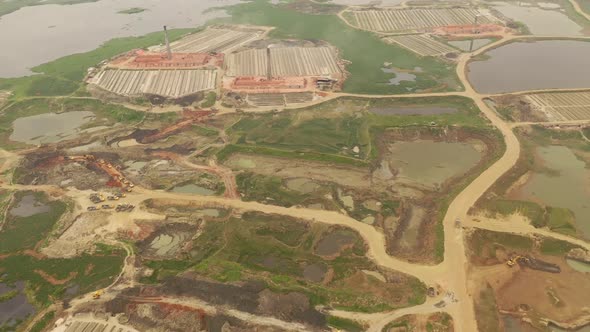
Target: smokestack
[167, 43]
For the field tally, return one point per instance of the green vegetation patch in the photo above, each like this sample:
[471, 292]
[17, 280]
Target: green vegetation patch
[340, 131]
[486, 311]
[43, 322]
[484, 244]
[344, 324]
[210, 99]
[21, 233]
[86, 272]
[267, 188]
[365, 51]
[276, 250]
[555, 247]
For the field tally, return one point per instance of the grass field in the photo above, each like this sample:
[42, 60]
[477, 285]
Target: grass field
[20, 233]
[365, 51]
[330, 131]
[87, 273]
[275, 249]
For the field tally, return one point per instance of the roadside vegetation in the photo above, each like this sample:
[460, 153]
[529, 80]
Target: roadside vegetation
[366, 71]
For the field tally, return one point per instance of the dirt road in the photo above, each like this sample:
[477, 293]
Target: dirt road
[451, 274]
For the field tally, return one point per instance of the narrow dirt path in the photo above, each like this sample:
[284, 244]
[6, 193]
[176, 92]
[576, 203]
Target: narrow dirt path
[579, 9]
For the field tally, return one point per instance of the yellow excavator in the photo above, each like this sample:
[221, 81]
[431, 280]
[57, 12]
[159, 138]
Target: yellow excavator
[96, 295]
[512, 261]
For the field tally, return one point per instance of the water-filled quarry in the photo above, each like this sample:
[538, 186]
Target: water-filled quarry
[522, 66]
[49, 127]
[565, 185]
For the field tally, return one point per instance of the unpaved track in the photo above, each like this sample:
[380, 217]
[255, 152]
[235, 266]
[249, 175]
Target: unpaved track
[579, 9]
[452, 273]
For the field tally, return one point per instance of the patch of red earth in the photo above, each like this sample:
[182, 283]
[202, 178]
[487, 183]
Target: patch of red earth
[54, 281]
[50, 162]
[34, 254]
[142, 232]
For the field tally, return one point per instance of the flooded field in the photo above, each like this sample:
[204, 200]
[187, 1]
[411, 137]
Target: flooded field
[170, 240]
[536, 19]
[333, 243]
[400, 76]
[412, 110]
[191, 188]
[49, 127]
[465, 45]
[578, 266]
[29, 206]
[431, 163]
[410, 237]
[565, 187]
[63, 30]
[533, 65]
[16, 308]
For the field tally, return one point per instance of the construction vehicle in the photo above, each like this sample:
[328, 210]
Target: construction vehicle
[107, 206]
[91, 208]
[96, 295]
[113, 198]
[511, 262]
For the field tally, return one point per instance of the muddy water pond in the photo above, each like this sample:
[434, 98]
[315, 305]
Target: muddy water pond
[191, 188]
[465, 45]
[48, 32]
[537, 20]
[409, 238]
[431, 163]
[302, 185]
[568, 185]
[333, 243]
[49, 127]
[29, 206]
[412, 110]
[315, 272]
[17, 308]
[521, 66]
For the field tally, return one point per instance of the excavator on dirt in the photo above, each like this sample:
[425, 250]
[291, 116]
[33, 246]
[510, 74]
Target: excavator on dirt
[96, 295]
[512, 261]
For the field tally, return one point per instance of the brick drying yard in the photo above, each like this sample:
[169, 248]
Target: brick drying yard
[284, 61]
[393, 20]
[217, 40]
[168, 83]
[423, 45]
[562, 106]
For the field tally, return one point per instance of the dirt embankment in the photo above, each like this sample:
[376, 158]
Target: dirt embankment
[249, 297]
[434, 202]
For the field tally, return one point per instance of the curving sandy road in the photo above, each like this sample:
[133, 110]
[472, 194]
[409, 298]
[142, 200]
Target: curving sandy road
[451, 274]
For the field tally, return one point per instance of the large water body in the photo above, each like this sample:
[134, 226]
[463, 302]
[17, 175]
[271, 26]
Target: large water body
[49, 127]
[569, 188]
[39, 34]
[522, 66]
[541, 21]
